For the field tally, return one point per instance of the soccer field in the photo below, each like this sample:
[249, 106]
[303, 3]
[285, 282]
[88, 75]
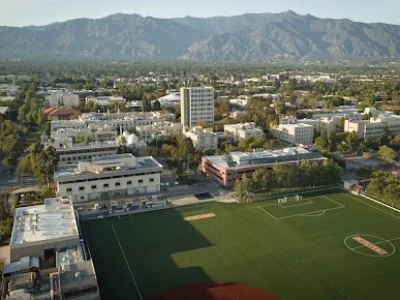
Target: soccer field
[327, 246]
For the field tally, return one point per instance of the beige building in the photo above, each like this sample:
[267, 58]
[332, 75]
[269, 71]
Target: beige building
[202, 137]
[109, 177]
[243, 131]
[62, 99]
[197, 104]
[373, 128]
[295, 134]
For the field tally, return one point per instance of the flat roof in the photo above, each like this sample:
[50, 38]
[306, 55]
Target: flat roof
[106, 144]
[53, 220]
[262, 157]
[297, 125]
[120, 161]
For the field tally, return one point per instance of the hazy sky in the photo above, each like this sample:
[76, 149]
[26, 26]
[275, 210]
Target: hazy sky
[40, 12]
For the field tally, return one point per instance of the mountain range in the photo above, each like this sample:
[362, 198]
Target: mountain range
[248, 37]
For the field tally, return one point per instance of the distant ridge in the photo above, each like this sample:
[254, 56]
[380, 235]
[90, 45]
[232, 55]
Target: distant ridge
[248, 37]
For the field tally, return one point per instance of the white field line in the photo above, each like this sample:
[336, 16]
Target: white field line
[377, 243]
[268, 213]
[316, 211]
[334, 201]
[385, 212]
[300, 204]
[126, 261]
[311, 214]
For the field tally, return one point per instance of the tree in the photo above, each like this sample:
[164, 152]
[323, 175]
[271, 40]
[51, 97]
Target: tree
[6, 227]
[375, 188]
[22, 112]
[353, 142]
[391, 193]
[185, 156]
[363, 172]
[42, 162]
[156, 105]
[387, 153]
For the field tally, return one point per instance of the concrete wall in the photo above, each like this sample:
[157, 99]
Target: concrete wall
[37, 249]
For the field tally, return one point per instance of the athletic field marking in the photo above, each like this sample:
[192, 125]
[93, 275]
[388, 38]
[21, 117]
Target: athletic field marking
[311, 214]
[381, 242]
[366, 244]
[199, 217]
[322, 211]
[370, 245]
[354, 198]
[126, 261]
[297, 203]
[329, 198]
[268, 213]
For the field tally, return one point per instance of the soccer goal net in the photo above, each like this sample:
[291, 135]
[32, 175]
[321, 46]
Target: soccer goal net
[290, 199]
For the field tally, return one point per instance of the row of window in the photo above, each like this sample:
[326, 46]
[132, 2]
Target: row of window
[107, 185]
[109, 178]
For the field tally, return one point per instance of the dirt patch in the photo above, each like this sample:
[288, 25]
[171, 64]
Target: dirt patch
[213, 291]
[199, 217]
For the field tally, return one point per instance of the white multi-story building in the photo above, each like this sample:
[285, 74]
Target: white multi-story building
[109, 177]
[326, 123]
[242, 131]
[71, 153]
[105, 100]
[197, 104]
[295, 134]
[64, 99]
[373, 128]
[121, 122]
[202, 137]
[97, 133]
[149, 132]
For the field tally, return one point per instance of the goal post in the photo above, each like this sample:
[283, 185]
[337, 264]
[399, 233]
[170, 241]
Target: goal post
[287, 199]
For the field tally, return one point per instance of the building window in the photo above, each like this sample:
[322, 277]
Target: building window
[106, 185]
[118, 184]
[140, 181]
[129, 182]
[81, 188]
[94, 187]
[69, 190]
[151, 179]
[82, 198]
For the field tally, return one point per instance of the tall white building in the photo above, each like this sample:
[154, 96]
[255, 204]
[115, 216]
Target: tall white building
[197, 104]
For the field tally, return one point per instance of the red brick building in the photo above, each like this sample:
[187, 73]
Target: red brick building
[225, 169]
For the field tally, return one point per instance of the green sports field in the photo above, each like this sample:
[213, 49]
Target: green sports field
[327, 246]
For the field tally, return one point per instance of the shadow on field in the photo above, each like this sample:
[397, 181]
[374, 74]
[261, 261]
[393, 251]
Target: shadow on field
[149, 242]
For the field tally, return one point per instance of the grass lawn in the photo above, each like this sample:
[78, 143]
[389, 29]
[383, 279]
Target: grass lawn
[34, 135]
[327, 246]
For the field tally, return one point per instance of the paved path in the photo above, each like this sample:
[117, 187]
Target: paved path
[33, 188]
[5, 254]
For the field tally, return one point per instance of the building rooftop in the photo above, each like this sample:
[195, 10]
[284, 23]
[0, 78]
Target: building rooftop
[92, 145]
[108, 164]
[54, 111]
[53, 220]
[236, 160]
[69, 257]
[297, 125]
